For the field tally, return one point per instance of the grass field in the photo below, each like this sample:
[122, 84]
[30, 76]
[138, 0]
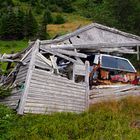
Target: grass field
[107, 121]
[15, 46]
[73, 21]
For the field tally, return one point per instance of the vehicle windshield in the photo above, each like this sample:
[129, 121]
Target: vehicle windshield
[116, 63]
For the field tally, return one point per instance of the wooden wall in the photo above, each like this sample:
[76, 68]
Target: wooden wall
[13, 100]
[51, 93]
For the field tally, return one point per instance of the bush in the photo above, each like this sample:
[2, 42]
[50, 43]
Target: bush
[4, 92]
[59, 19]
[7, 120]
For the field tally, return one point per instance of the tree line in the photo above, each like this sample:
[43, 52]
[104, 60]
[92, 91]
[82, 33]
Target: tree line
[17, 25]
[121, 14]
[18, 21]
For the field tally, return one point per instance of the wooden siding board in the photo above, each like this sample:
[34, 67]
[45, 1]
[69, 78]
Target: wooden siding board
[60, 87]
[44, 92]
[47, 111]
[49, 91]
[56, 104]
[42, 74]
[12, 100]
[59, 95]
[41, 64]
[54, 100]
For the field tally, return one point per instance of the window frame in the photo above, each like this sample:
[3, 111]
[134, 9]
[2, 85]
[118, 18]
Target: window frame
[116, 68]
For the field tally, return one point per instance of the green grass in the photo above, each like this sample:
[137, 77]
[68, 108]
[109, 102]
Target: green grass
[105, 121]
[10, 46]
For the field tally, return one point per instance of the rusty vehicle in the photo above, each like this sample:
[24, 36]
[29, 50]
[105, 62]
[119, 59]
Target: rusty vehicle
[112, 69]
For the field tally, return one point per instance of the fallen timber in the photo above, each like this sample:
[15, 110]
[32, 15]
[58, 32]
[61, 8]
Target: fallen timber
[106, 93]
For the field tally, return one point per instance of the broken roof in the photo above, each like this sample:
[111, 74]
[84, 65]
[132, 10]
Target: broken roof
[97, 33]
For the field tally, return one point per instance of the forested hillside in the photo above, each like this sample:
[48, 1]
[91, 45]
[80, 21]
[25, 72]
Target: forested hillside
[30, 19]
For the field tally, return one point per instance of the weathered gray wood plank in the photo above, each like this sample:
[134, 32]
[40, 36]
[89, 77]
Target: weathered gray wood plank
[70, 53]
[49, 82]
[42, 74]
[52, 102]
[57, 94]
[60, 55]
[27, 82]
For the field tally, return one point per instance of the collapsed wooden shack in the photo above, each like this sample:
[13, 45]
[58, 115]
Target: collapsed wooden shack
[40, 88]
[53, 75]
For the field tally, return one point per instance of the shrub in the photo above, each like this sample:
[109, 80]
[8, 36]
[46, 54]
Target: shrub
[59, 19]
[4, 92]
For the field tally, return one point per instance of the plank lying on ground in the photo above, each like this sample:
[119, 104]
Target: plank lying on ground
[114, 94]
[113, 90]
[104, 98]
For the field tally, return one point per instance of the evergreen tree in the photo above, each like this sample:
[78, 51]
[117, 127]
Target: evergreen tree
[47, 18]
[6, 3]
[8, 26]
[117, 13]
[30, 25]
[42, 34]
[20, 16]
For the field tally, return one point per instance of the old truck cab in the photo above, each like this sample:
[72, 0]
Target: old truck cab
[113, 69]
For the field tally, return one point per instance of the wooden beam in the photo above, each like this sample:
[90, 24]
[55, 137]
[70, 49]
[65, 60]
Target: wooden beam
[70, 53]
[9, 56]
[138, 53]
[92, 46]
[10, 60]
[60, 55]
[26, 54]
[118, 50]
[87, 83]
[47, 61]
[67, 52]
[28, 79]
[54, 64]
[78, 59]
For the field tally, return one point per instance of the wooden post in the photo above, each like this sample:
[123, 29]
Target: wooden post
[138, 53]
[87, 83]
[73, 77]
